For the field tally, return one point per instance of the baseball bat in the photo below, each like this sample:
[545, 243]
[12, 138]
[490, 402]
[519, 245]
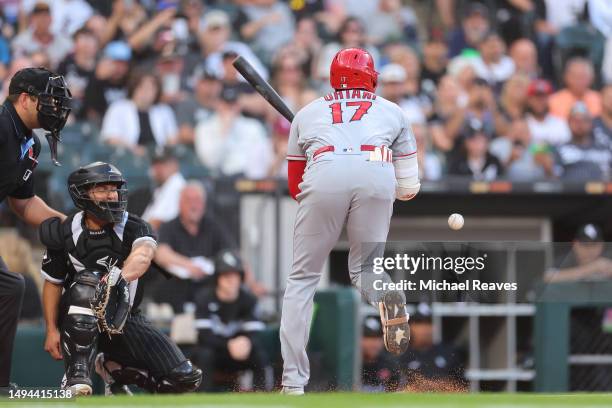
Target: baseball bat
[262, 87]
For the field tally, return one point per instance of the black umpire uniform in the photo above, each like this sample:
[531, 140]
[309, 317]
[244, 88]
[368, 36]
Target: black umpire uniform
[77, 258]
[19, 150]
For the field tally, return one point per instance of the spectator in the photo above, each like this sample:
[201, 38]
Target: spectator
[524, 54]
[583, 158]
[430, 366]
[380, 372]
[448, 102]
[551, 17]
[198, 106]
[305, 44]
[267, 25]
[481, 107]
[17, 64]
[187, 245]
[513, 19]
[251, 103]
[141, 120]
[474, 25]
[523, 159]
[290, 82]
[169, 183]
[587, 260]
[473, 158]
[69, 15]
[17, 253]
[125, 19]
[430, 164]
[39, 37]
[602, 126]
[544, 127]
[512, 102]
[600, 13]
[215, 33]
[280, 140]
[109, 82]
[493, 64]
[415, 101]
[435, 60]
[350, 35]
[227, 320]
[79, 68]
[578, 78]
[391, 22]
[232, 144]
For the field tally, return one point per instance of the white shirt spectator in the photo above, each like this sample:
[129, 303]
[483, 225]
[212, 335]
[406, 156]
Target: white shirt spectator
[67, 15]
[214, 62]
[244, 148]
[26, 44]
[563, 13]
[165, 203]
[121, 120]
[494, 73]
[551, 130]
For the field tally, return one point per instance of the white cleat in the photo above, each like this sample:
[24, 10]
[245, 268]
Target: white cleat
[292, 391]
[80, 390]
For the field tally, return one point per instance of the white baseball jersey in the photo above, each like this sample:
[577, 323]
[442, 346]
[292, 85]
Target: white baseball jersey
[347, 119]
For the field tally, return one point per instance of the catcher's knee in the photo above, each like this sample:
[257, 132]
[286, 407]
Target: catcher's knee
[184, 378]
[82, 292]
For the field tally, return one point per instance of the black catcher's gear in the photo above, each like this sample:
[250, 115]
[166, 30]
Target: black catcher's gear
[53, 101]
[79, 330]
[87, 177]
[111, 305]
[184, 378]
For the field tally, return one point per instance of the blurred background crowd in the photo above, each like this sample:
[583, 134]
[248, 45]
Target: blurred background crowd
[512, 89]
[517, 90]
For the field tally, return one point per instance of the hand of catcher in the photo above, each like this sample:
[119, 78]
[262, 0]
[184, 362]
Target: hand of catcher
[111, 302]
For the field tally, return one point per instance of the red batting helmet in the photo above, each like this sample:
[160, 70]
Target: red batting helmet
[353, 68]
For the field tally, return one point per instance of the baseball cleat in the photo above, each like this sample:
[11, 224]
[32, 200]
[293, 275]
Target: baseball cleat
[111, 387]
[292, 391]
[80, 390]
[394, 319]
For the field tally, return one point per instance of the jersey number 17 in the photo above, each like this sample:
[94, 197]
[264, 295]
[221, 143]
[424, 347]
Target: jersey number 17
[362, 109]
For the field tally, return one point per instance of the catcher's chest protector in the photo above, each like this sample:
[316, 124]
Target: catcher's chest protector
[97, 250]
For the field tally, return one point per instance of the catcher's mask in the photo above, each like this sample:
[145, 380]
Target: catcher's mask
[53, 101]
[81, 181]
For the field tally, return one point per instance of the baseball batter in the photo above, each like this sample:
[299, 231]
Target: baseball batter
[351, 153]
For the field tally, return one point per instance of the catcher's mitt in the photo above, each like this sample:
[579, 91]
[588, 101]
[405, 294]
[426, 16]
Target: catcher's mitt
[111, 304]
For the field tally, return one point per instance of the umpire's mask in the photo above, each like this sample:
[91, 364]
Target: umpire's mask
[53, 104]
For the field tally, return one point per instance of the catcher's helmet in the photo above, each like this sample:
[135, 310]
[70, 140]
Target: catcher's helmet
[83, 179]
[353, 68]
[228, 260]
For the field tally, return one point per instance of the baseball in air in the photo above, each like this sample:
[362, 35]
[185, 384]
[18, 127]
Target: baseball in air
[455, 221]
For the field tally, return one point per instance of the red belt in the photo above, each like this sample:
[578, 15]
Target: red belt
[325, 149]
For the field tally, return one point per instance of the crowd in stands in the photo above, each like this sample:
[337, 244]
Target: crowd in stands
[493, 89]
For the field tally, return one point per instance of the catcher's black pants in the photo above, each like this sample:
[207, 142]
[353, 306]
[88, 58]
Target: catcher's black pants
[142, 345]
[12, 287]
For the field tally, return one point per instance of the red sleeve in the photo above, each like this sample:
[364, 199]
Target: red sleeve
[295, 172]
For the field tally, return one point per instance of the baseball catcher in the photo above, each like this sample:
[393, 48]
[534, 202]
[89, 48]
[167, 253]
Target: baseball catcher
[91, 293]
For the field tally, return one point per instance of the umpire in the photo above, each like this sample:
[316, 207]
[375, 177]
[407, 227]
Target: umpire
[37, 99]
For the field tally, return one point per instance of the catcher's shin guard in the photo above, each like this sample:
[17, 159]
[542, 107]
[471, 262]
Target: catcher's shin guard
[394, 319]
[79, 333]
